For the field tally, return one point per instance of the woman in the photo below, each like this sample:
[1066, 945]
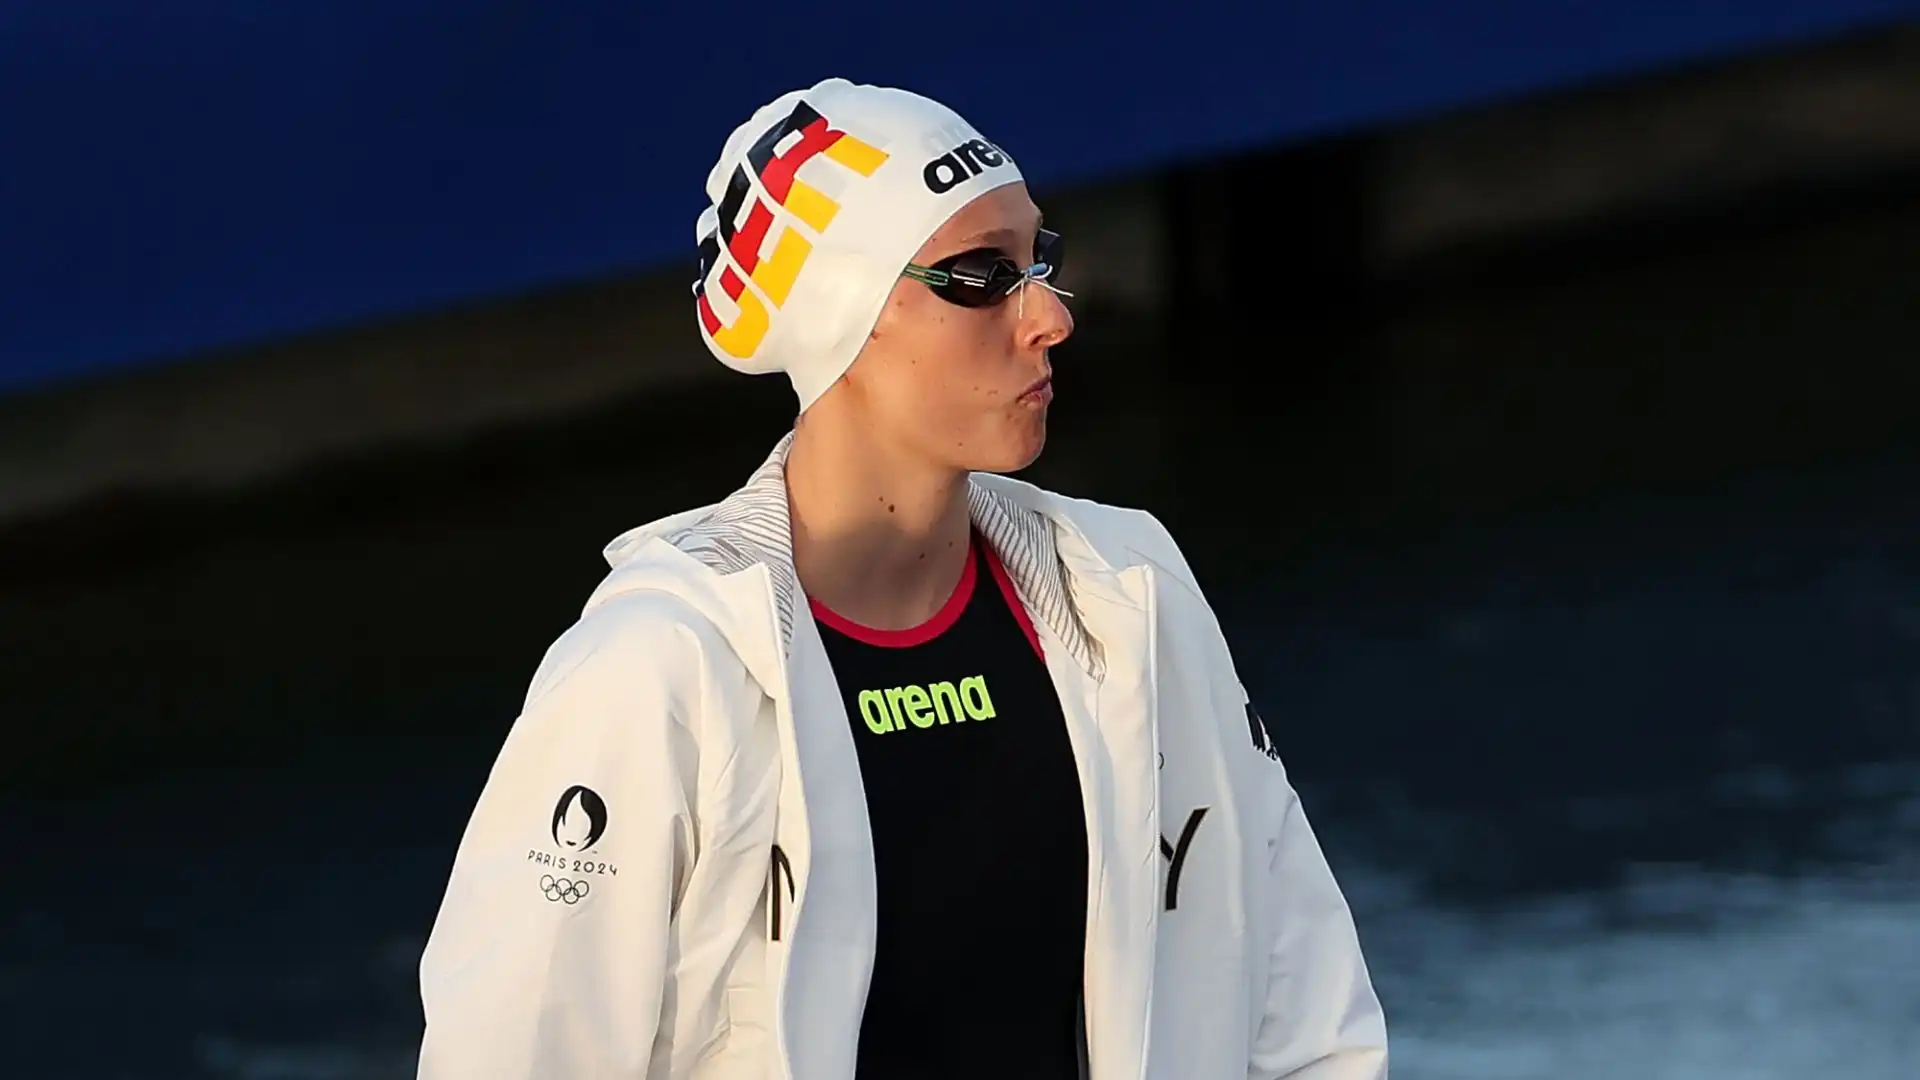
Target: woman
[887, 766]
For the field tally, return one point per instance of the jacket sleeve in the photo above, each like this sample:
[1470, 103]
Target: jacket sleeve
[1322, 1020]
[549, 955]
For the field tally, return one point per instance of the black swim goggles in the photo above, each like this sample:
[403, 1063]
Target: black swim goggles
[984, 277]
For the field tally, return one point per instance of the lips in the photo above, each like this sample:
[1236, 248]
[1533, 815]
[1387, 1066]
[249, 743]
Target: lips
[1040, 392]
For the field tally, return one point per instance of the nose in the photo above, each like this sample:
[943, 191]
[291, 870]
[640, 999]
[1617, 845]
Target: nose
[1045, 320]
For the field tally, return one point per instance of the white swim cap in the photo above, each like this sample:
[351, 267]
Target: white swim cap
[818, 202]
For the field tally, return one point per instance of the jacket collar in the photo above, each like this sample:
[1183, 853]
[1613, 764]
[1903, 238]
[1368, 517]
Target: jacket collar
[752, 528]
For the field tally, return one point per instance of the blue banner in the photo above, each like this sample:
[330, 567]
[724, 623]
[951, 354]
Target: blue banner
[193, 175]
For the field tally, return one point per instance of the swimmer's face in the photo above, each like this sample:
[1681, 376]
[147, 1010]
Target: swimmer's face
[965, 387]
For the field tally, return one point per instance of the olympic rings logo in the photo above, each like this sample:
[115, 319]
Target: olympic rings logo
[563, 889]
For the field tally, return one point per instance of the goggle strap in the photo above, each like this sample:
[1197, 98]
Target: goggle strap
[928, 275]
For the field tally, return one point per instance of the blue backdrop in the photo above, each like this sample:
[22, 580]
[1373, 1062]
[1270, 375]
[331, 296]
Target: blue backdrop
[191, 175]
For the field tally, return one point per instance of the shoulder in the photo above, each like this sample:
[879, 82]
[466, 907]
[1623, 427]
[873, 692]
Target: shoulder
[1120, 536]
[646, 645]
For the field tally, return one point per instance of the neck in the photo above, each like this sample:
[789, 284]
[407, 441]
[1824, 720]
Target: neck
[879, 537]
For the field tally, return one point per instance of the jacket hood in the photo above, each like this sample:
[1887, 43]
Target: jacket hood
[697, 553]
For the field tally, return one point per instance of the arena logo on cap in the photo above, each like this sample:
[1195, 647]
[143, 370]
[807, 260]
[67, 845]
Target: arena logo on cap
[809, 135]
[962, 163]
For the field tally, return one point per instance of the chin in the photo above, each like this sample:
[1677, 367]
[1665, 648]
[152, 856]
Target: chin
[1014, 448]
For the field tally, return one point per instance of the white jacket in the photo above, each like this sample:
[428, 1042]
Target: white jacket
[669, 873]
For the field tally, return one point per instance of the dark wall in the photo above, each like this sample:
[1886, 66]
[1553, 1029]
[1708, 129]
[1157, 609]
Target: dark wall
[1298, 408]
[1665, 354]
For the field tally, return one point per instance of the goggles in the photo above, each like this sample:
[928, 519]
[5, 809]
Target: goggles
[984, 277]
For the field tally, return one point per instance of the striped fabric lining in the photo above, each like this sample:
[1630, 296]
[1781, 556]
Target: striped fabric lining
[751, 526]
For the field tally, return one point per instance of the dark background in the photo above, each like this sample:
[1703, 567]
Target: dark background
[215, 173]
[1575, 563]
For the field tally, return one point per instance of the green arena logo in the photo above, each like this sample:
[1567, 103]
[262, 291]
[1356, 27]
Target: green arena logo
[899, 708]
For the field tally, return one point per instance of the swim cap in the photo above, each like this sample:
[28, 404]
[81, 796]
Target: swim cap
[818, 202]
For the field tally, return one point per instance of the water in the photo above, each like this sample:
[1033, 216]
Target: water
[1607, 804]
[292, 957]
[1702, 976]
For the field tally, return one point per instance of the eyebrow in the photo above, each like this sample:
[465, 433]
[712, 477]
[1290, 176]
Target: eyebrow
[1001, 233]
